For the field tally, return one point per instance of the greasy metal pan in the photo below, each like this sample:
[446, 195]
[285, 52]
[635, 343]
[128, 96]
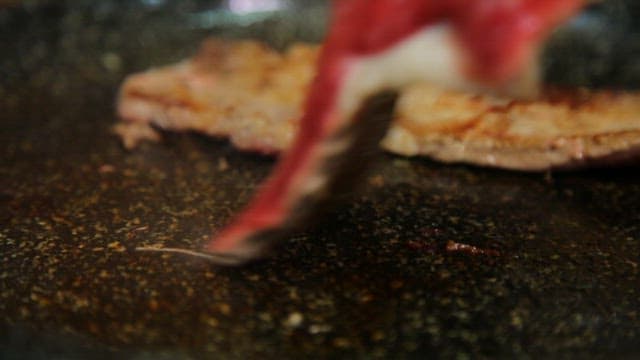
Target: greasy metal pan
[380, 278]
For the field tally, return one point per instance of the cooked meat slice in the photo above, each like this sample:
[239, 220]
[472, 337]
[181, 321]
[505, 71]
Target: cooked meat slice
[253, 95]
[561, 130]
[241, 90]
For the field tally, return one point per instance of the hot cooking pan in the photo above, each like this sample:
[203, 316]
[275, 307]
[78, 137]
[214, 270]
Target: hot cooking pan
[394, 271]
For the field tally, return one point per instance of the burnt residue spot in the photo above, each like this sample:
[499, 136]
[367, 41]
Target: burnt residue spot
[5, 197]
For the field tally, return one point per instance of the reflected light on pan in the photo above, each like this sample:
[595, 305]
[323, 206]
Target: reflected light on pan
[248, 6]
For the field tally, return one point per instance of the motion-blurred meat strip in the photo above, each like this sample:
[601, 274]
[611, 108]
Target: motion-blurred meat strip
[253, 95]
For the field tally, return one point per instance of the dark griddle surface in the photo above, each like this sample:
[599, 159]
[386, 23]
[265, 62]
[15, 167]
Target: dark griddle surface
[374, 280]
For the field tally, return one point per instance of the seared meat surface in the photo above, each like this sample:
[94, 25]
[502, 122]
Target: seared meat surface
[254, 95]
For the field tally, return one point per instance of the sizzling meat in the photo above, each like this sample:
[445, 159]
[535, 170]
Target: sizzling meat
[253, 95]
